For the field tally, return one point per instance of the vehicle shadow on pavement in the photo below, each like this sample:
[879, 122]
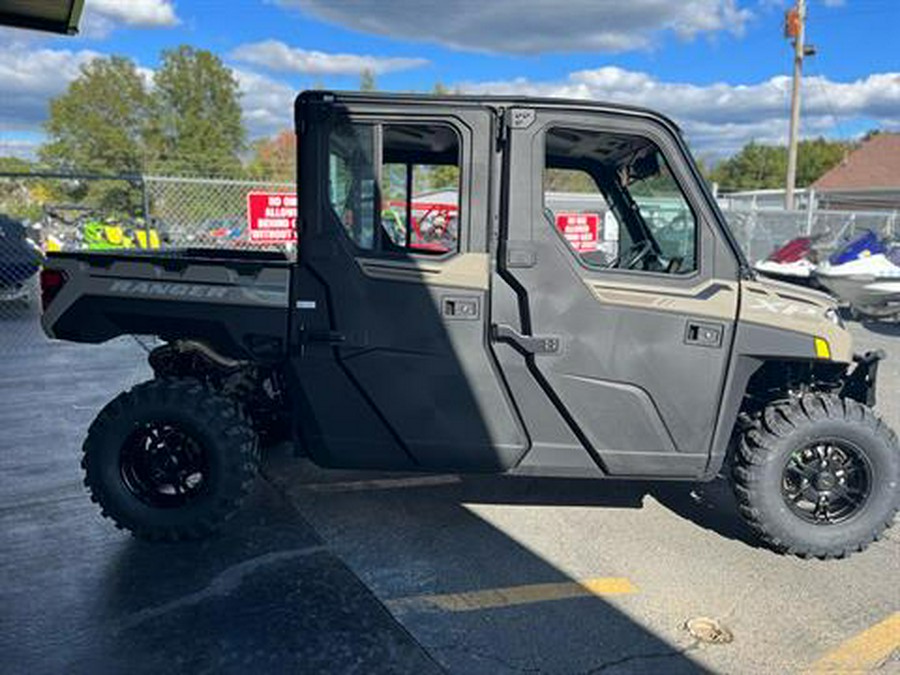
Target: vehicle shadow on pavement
[454, 579]
[891, 329]
[711, 506]
[708, 505]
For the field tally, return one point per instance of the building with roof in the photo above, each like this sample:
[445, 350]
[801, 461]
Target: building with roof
[867, 179]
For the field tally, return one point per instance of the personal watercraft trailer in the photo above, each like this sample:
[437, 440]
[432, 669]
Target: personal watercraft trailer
[507, 350]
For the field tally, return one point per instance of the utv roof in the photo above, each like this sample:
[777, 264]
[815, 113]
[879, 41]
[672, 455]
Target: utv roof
[489, 100]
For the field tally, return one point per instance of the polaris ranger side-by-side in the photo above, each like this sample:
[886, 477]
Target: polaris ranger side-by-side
[633, 343]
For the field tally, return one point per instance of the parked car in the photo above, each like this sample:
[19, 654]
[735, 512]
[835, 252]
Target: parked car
[20, 260]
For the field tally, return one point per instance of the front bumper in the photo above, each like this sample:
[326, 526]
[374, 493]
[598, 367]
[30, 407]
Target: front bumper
[859, 383]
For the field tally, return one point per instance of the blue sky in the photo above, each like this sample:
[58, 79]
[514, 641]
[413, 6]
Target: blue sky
[716, 66]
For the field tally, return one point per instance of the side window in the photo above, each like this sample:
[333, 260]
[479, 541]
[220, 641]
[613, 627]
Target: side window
[665, 210]
[418, 186]
[574, 205]
[351, 181]
[615, 201]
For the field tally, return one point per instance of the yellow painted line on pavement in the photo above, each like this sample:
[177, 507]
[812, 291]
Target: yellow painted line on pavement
[511, 596]
[863, 652]
[383, 484]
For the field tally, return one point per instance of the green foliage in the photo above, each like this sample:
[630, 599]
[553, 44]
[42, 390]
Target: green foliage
[108, 121]
[367, 81]
[759, 166]
[195, 124]
[435, 177]
[274, 158]
[569, 180]
[19, 197]
[97, 125]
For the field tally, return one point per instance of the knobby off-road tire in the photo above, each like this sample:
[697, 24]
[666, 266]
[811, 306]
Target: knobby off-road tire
[795, 453]
[170, 459]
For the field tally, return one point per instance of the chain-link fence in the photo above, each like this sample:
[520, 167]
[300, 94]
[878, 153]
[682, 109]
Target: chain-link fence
[50, 211]
[761, 231]
[42, 212]
[213, 213]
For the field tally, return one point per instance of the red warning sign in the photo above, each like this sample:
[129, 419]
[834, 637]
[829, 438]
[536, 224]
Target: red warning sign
[580, 229]
[272, 216]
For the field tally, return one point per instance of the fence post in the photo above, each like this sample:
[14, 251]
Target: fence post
[810, 210]
[145, 198]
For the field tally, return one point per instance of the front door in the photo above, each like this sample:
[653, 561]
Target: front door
[392, 354]
[615, 302]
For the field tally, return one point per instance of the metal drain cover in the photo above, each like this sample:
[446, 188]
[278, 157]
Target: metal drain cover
[708, 630]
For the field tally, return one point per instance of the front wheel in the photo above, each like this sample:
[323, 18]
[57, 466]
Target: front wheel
[819, 476]
[170, 459]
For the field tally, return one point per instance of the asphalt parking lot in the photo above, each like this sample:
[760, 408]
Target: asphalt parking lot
[338, 572]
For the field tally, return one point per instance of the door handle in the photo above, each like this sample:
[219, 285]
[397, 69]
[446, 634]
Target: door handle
[530, 344]
[704, 334]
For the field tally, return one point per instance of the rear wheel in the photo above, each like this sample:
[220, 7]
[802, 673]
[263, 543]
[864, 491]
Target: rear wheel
[170, 459]
[819, 476]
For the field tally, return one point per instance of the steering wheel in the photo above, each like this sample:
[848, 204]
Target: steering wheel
[634, 255]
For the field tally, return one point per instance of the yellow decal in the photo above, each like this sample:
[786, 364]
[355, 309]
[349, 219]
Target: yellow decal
[822, 349]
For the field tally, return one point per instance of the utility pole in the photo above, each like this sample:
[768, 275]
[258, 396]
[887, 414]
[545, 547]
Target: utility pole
[794, 27]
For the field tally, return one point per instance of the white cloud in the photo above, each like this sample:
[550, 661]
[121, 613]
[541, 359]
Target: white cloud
[102, 16]
[268, 105]
[720, 117]
[717, 118]
[276, 55]
[30, 77]
[537, 25]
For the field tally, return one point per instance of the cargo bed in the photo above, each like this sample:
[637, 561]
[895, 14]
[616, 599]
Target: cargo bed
[235, 301]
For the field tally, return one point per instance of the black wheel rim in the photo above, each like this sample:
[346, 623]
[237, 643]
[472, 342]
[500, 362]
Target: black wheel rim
[827, 481]
[164, 465]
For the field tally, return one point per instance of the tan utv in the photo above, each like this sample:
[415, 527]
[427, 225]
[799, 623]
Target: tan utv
[521, 286]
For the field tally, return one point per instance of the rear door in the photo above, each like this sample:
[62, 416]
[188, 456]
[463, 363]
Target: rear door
[615, 302]
[390, 330]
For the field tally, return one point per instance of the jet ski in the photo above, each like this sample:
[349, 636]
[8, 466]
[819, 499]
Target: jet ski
[794, 262]
[20, 260]
[865, 273]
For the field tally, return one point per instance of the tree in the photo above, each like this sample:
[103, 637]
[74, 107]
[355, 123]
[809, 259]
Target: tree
[97, 125]
[817, 156]
[196, 122]
[759, 166]
[367, 80]
[21, 197]
[274, 158]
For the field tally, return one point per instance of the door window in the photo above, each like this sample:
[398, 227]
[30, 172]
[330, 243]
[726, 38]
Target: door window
[351, 181]
[415, 187]
[614, 200]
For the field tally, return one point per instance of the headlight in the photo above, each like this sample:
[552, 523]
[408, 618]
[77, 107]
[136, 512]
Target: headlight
[834, 317]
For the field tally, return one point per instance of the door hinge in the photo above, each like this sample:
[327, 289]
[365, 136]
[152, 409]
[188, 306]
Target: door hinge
[501, 129]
